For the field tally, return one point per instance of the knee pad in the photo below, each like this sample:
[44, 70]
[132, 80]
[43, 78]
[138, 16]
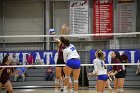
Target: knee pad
[61, 82]
[67, 76]
[75, 81]
[56, 81]
[120, 90]
[70, 80]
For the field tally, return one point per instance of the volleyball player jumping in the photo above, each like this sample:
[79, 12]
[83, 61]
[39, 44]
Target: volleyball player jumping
[72, 59]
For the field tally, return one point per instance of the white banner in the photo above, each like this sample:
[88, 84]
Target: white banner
[79, 17]
[126, 16]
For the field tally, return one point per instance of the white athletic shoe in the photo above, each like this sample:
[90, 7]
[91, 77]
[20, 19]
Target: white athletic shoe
[65, 91]
[71, 90]
[62, 90]
[56, 90]
[110, 89]
[75, 92]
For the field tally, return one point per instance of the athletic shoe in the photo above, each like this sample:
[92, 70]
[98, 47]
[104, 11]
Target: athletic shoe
[62, 90]
[56, 90]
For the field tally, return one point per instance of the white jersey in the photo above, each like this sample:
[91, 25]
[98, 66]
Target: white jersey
[70, 52]
[99, 67]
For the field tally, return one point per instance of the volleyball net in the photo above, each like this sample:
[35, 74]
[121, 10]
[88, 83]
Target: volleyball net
[44, 47]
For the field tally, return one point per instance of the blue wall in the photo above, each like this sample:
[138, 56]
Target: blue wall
[133, 55]
[46, 56]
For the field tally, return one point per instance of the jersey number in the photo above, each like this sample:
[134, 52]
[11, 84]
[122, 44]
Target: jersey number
[72, 48]
[102, 64]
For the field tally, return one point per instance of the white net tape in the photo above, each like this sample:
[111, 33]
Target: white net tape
[128, 64]
[72, 35]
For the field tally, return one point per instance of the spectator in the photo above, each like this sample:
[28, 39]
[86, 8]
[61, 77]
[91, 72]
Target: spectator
[138, 69]
[1, 57]
[38, 60]
[29, 59]
[15, 59]
[11, 56]
[118, 72]
[49, 73]
[20, 72]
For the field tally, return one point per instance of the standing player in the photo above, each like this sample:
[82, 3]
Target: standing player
[72, 59]
[5, 74]
[99, 69]
[118, 72]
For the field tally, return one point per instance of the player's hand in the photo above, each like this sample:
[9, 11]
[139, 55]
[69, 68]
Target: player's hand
[67, 28]
[110, 78]
[64, 26]
[91, 74]
[58, 40]
[111, 74]
[2, 68]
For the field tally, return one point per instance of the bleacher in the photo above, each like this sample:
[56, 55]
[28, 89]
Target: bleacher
[34, 78]
[132, 80]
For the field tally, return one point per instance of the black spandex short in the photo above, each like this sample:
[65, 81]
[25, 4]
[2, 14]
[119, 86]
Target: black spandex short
[120, 74]
[3, 82]
[60, 61]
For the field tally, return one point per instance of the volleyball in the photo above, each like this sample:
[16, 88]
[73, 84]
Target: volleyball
[52, 31]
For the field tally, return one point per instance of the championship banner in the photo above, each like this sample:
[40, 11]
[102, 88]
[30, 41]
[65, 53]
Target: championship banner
[103, 17]
[132, 54]
[48, 57]
[79, 17]
[126, 16]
